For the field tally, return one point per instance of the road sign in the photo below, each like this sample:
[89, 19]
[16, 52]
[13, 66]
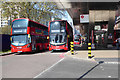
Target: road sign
[84, 18]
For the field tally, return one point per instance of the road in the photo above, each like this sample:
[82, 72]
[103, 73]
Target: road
[56, 65]
[78, 68]
[27, 65]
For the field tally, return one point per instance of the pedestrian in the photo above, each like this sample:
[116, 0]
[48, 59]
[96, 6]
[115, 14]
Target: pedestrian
[117, 43]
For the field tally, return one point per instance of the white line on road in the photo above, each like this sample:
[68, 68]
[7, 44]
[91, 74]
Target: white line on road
[49, 68]
[60, 53]
[112, 62]
[109, 76]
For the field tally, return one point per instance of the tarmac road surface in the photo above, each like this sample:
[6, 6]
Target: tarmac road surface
[27, 65]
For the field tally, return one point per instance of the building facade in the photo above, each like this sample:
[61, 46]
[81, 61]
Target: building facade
[3, 21]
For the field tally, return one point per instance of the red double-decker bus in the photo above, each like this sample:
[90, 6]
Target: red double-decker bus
[116, 36]
[60, 35]
[77, 39]
[28, 36]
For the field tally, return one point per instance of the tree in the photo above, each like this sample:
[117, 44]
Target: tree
[5, 30]
[38, 11]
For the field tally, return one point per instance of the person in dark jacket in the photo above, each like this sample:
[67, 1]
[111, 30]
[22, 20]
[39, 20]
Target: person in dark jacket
[118, 43]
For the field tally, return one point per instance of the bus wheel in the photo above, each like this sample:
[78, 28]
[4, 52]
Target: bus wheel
[68, 46]
[52, 51]
[43, 48]
[37, 49]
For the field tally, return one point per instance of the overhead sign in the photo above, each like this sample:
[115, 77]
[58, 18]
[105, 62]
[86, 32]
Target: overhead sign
[84, 18]
[97, 27]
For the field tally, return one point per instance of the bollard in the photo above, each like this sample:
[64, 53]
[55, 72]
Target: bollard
[72, 48]
[89, 50]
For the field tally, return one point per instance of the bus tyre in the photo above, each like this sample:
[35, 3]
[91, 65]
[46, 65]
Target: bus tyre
[37, 49]
[43, 47]
[69, 46]
[52, 51]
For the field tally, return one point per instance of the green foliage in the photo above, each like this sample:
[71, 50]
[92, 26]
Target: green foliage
[0, 30]
[37, 11]
[5, 30]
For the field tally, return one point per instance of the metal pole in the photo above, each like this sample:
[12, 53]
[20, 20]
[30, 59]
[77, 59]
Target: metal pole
[72, 48]
[89, 50]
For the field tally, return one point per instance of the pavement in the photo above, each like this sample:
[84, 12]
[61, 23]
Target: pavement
[83, 54]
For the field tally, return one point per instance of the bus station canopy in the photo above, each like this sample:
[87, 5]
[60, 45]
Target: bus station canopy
[77, 7]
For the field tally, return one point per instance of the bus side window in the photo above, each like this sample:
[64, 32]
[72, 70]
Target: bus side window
[31, 24]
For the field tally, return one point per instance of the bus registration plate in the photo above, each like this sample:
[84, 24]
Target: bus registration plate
[19, 51]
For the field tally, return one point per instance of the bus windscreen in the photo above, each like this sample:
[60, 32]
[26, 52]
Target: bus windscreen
[57, 27]
[20, 23]
[58, 38]
[19, 40]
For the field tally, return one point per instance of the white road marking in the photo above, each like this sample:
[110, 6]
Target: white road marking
[112, 62]
[109, 76]
[55, 53]
[49, 68]
[60, 53]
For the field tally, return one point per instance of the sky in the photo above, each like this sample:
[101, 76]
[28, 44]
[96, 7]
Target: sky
[70, 21]
[68, 18]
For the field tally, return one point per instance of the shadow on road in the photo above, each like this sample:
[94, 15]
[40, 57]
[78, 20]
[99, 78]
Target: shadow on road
[100, 62]
[30, 53]
[6, 54]
[59, 51]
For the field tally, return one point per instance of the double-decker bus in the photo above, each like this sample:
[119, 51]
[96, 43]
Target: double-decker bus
[28, 36]
[116, 30]
[77, 39]
[60, 35]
